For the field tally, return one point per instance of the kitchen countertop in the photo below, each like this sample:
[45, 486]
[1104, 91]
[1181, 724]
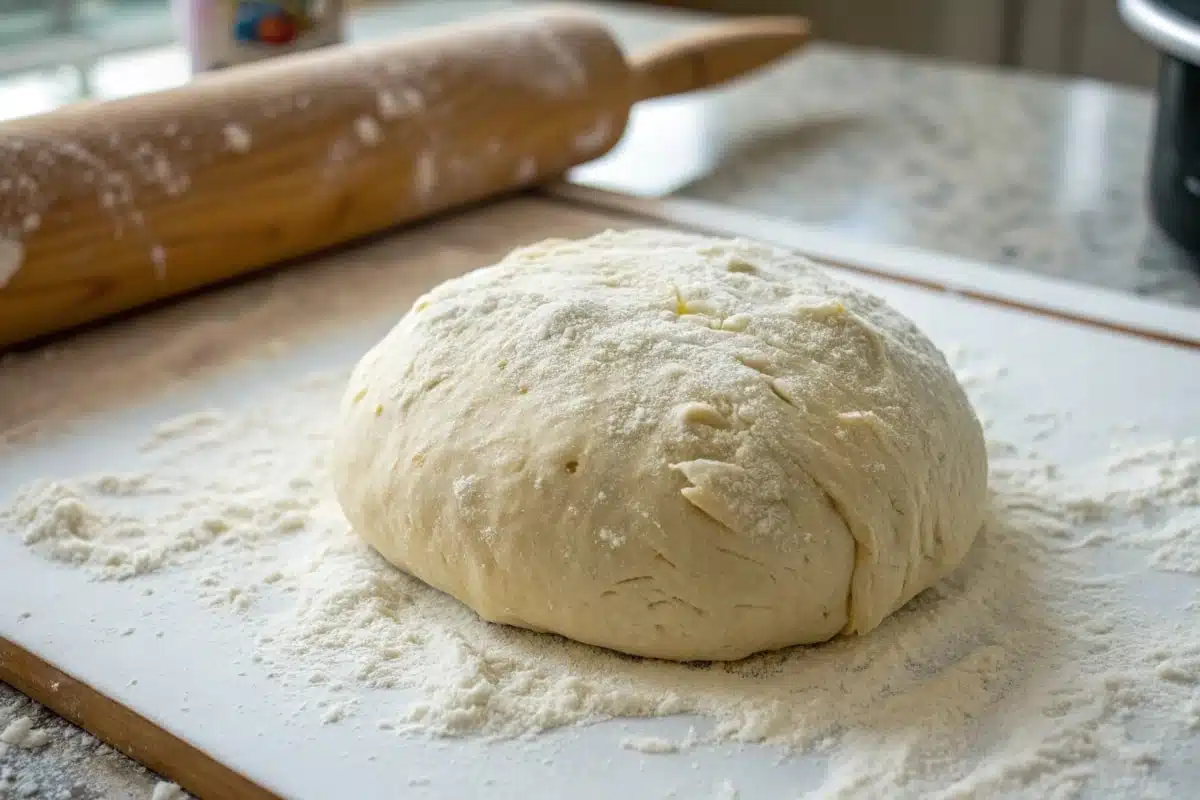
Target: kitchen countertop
[1033, 173]
[1026, 171]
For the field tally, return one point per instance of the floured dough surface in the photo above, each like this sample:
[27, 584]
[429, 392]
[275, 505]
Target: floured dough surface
[665, 444]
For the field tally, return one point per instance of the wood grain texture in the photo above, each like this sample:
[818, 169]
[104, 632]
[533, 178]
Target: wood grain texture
[126, 202]
[123, 729]
[715, 55]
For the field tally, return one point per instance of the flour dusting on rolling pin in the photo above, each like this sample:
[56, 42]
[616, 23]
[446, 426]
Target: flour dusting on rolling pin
[146, 197]
[11, 256]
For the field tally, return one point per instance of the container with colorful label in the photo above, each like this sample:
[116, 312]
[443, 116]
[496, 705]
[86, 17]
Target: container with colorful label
[225, 33]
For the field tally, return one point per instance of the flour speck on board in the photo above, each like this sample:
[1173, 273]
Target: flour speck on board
[53, 759]
[610, 537]
[651, 745]
[386, 102]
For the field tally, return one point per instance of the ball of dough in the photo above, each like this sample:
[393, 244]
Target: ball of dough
[664, 444]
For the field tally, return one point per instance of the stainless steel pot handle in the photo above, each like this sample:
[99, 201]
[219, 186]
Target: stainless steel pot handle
[1165, 29]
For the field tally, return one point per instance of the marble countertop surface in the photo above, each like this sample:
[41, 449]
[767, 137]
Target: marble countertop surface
[1022, 171]
[1030, 173]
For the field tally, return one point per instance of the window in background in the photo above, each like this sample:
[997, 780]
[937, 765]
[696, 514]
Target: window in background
[54, 52]
[41, 37]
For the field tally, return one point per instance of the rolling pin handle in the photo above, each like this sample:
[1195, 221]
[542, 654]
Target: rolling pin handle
[716, 54]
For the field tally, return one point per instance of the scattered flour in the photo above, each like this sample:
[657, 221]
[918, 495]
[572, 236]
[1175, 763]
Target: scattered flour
[368, 130]
[167, 791]
[237, 138]
[726, 791]
[398, 103]
[122, 173]
[12, 256]
[21, 733]
[610, 538]
[651, 745]
[54, 760]
[1040, 669]
[1029, 647]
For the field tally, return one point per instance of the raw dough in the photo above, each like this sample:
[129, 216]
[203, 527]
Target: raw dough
[664, 444]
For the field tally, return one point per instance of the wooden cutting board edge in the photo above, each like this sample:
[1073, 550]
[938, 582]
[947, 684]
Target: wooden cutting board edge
[122, 729]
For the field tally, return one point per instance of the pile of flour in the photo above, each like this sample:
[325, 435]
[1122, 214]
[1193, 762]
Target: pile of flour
[1030, 670]
[42, 756]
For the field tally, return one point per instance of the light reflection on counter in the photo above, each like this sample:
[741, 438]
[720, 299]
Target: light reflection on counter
[669, 143]
[139, 73]
[1086, 122]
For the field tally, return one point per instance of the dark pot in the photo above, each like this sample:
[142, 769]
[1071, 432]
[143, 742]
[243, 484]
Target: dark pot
[1173, 26]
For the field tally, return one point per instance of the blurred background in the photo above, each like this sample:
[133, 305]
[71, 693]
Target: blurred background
[1011, 131]
[1068, 37]
[53, 51]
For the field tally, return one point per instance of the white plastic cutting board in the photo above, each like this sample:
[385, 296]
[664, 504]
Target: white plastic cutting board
[1103, 377]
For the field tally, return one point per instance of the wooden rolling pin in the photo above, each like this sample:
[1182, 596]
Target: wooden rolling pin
[106, 206]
